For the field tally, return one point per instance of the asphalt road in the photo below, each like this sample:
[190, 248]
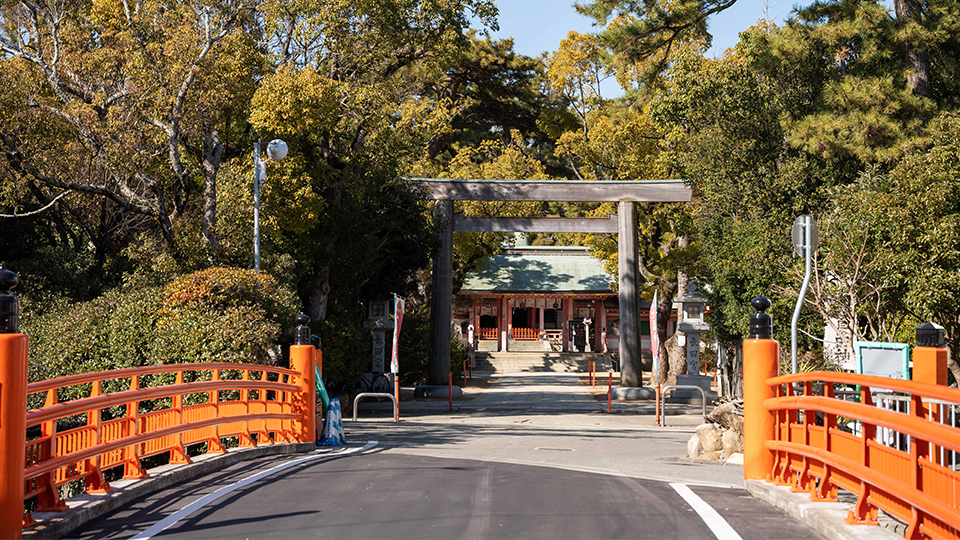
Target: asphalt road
[381, 494]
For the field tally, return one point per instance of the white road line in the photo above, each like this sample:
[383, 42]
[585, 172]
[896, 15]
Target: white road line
[721, 529]
[182, 513]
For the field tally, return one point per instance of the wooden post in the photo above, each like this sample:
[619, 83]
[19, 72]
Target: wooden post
[658, 411]
[396, 395]
[301, 360]
[503, 337]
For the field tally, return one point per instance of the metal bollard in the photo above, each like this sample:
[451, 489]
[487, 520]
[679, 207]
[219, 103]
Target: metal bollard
[610, 393]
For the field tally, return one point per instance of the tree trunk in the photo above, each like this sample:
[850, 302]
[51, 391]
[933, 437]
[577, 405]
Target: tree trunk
[319, 298]
[676, 360]
[664, 309]
[212, 153]
[676, 357]
[918, 80]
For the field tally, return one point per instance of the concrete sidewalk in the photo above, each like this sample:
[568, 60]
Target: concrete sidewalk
[548, 392]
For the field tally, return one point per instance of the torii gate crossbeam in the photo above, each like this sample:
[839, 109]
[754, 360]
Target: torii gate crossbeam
[625, 193]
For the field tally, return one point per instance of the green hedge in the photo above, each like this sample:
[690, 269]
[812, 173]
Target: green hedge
[214, 315]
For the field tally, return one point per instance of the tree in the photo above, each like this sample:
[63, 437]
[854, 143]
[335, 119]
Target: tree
[489, 92]
[645, 36]
[124, 103]
[858, 278]
[925, 219]
[345, 93]
[724, 133]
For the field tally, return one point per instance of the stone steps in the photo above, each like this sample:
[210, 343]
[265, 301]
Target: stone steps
[511, 362]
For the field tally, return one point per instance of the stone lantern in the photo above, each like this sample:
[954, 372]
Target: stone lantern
[691, 323]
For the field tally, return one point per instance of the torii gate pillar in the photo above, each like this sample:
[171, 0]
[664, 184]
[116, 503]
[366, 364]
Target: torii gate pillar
[441, 309]
[627, 258]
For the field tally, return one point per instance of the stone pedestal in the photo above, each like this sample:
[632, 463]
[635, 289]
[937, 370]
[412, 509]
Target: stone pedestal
[634, 393]
[681, 395]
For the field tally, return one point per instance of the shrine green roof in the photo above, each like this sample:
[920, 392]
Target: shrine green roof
[546, 269]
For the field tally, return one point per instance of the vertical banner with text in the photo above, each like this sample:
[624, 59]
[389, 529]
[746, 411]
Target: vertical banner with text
[397, 323]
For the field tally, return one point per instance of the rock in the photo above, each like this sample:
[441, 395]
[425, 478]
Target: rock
[711, 456]
[736, 459]
[710, 437]
[732, 442]
[694, 449]
[729, 415]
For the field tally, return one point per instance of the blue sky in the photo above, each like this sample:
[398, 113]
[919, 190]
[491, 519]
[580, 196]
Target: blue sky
[539, 25]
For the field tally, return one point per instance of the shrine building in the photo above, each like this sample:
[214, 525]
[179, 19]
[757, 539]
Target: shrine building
[545, 299]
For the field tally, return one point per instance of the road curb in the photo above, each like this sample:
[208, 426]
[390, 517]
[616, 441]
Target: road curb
[827, 518]
[84, 507]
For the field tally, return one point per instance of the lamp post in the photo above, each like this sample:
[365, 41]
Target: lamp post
[276, 150]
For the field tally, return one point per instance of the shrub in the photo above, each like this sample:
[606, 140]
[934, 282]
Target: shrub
[214, 315]
[224, 315]
[71, 339]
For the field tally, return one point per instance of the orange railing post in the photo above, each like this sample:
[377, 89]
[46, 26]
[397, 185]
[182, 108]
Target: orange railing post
[178, 454]
[930, 363]
[132, 469]
[94, 482]
[13, 410]
[761, 356]
[930, 356]
[302, 354]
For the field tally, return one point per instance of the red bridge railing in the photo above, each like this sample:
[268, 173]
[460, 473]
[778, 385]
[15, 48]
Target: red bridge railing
[93, 422]
[899, 462]
[258, 404]
[893, 443]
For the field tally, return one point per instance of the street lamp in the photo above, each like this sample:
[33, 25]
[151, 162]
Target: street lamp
[276, 150]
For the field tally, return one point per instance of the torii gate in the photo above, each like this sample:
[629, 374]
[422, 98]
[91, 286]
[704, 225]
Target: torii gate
[625, 193]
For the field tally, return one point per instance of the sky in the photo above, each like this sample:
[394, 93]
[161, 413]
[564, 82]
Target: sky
[539, 25]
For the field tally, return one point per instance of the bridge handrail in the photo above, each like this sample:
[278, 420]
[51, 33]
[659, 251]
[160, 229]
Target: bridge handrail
[813, 454]
[82, 453]
[931, 391]
[84, 378]
[82, 405]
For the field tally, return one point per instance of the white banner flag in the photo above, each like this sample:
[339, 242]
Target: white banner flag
[654, 338]
[397, 323]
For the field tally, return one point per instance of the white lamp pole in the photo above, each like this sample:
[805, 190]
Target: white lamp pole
[276, 150]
